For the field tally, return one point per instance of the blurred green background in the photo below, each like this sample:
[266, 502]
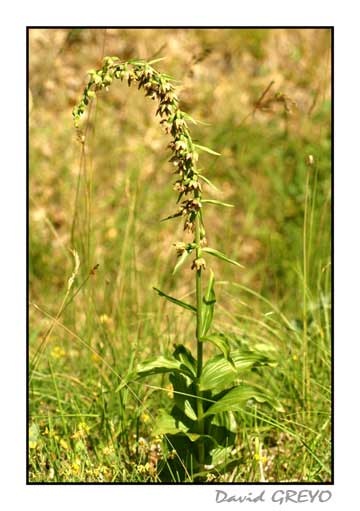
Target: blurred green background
[105, 199]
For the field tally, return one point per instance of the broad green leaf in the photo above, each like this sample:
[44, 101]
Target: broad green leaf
[175, 300]
[218, 373]
[208, 305]
[184, 396]
[223, 429]
[181, 260]
[221, 455]
[222, 256]
[236, 398]
[161, 365]
[217, 202]
[206, 150]
[183, 355]
[220, 342]
[168, 425]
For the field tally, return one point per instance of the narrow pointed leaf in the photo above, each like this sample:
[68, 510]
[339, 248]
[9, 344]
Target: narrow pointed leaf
[206, 150]
[217, 202]
[175, 215]
[188, 117]
[208, 182]
[159, 59]
[181, 261]
[236, 398]
[222, 256]
[189, 411]
[176, 301]
[208, 305]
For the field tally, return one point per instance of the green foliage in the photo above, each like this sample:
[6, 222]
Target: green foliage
[91, 418]
[188, 376]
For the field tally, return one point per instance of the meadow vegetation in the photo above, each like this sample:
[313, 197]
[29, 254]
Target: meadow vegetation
[97, 248]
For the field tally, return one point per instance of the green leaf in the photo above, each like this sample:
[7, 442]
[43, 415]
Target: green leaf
[188, 117]
[219, 373]
[208, 182]
[168, 425]
[208, 304]
[217, 202]
[175, 300]
[189, 411]
[236, 398]
[221, 455]
[175, 215]
[161, 365]
[181, 261]
[184, 397]
[222, 256]
[154, 61]
[183, 355]
[206, 150]
[34, 435]
[220, 342]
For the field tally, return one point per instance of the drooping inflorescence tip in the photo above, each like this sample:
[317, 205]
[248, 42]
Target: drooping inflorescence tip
[173, 121]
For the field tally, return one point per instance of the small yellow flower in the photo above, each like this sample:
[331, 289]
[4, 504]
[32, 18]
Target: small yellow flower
[84, 427]
[108, 450]
[76, 465]
[57, 352]
[82, 431]
[262, 459]
[145, 417]
[170, 391]
[64, 444]
[112, 233]
[104, 318]
[106, 321]
[95, 357]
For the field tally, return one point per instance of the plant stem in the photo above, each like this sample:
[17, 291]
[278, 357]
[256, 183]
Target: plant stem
[306, 377]
[199, 343]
